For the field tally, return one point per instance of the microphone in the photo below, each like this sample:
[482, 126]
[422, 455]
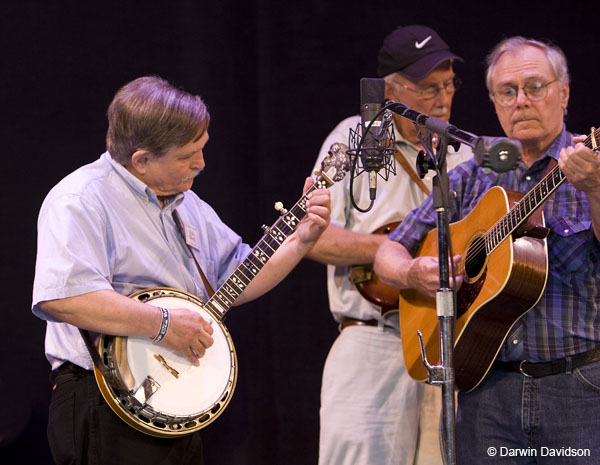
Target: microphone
[499, 154]
[374, 148]
[493, 153]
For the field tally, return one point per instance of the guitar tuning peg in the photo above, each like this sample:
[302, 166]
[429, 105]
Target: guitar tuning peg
[265, 228]
[279, 207]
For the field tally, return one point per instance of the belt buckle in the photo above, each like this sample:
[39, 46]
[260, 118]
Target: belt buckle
[523, 371]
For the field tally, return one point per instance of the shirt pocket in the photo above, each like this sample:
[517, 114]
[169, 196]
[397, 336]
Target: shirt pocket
[569, 244]
[566, 227]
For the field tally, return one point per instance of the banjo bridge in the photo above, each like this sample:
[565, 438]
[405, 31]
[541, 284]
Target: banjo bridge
[168, 367]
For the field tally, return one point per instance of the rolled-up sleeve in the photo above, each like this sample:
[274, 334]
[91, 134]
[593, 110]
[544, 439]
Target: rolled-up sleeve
[72, 253]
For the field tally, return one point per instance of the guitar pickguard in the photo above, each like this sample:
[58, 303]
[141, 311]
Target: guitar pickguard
[468, 292]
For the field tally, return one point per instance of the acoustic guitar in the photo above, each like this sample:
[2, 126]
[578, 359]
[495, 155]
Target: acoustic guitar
[504, 265]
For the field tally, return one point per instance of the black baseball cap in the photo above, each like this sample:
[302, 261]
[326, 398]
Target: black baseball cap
[414, 51]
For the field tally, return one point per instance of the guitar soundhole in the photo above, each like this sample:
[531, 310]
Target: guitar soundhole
[475, 258]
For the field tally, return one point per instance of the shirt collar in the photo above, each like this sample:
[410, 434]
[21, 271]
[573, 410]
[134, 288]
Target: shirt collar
[562, 140]
[137, 185]
[400, 140]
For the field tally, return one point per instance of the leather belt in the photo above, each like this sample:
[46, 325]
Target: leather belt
[354, 322]
[539, 370]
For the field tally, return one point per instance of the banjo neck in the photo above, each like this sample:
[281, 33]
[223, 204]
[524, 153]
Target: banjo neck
[224, 298]
[156, 390]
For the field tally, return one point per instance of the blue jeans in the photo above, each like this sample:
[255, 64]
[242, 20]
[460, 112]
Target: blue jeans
[513, 419]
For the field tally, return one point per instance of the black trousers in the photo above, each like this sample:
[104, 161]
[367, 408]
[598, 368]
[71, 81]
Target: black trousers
[82, 429]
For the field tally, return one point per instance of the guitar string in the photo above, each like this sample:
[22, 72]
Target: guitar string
[496, 233]
[537, 190]
[527, 198]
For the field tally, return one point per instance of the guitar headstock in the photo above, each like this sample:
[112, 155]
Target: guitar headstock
[336, 163]
[593, 140]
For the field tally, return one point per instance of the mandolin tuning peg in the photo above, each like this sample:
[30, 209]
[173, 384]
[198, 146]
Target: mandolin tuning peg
[279, 207]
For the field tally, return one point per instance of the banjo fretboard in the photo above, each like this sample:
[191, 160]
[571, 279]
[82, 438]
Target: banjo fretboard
[226, 295]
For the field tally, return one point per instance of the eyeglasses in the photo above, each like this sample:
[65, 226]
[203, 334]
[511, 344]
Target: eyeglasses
[451, 86]
[534, 91]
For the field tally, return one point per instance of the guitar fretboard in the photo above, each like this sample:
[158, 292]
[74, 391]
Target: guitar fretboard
[530, 202]
[226, 295]
[523, 209]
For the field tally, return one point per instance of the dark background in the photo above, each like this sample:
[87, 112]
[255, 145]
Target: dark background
[277, 77]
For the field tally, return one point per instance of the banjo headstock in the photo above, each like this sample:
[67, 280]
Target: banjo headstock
[336, 163]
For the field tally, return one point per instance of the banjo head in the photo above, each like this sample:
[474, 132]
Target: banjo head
[157, 390]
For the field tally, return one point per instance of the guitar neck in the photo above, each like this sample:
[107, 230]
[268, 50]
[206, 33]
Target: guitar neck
[524, 209]
[531, 201]
[227, 294]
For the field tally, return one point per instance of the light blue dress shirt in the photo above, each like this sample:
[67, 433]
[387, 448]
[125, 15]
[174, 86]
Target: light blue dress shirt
[102, 228]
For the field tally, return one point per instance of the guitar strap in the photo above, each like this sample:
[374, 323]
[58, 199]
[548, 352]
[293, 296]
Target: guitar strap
[207, 285]
[410, 170]
[551, 164]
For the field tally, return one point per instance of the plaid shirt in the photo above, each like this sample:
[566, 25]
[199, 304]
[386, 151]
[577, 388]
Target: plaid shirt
[566, 320]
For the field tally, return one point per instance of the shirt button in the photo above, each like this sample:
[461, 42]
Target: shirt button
[528, 178]
[566, 231]
[515, 341]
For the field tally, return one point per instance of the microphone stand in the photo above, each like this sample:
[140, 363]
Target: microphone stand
[444, 373]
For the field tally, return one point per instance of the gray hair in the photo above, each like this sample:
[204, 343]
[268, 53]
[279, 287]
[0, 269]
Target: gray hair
[150, 114]
[555, 56]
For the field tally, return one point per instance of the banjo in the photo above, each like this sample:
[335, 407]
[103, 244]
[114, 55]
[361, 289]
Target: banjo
[158, 391]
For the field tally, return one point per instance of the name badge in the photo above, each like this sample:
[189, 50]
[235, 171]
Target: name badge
[192, 237]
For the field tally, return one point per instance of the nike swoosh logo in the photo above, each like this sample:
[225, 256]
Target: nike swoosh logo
[423, 42]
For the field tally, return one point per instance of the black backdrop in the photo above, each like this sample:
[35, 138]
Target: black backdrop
[277, 76]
